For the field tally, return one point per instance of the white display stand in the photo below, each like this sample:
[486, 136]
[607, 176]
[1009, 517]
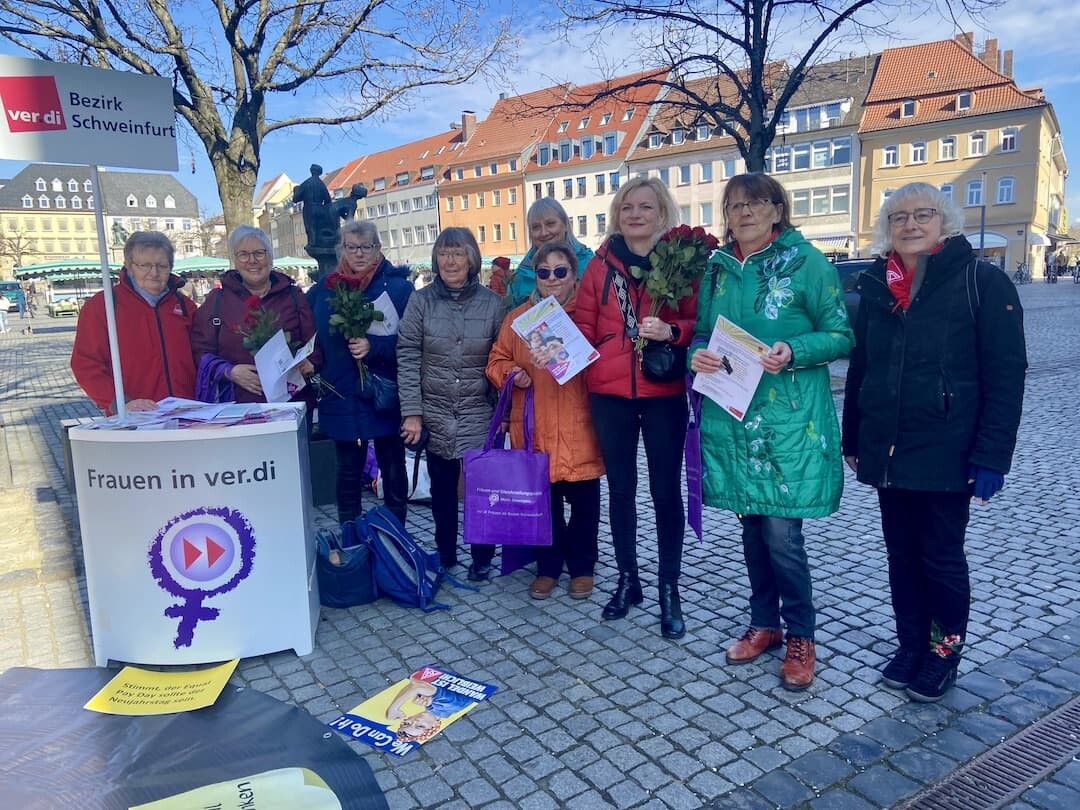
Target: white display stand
[197, 542]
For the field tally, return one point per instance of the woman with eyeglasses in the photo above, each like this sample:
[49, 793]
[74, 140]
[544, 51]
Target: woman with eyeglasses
[626, 405]
[563, 430]
[349, 412]
[444, 339]
[931, 410]
[781, 462]
[227, 369]
[548, 222]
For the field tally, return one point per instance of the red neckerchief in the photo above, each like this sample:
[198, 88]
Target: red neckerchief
[738, 251]
[365, 278]
[899, 278]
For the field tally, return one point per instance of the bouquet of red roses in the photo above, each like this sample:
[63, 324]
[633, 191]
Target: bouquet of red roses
[678, 261]
[351, 314]
[258, 325]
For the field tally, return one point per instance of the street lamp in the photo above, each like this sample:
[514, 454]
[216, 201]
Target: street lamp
[982, 219]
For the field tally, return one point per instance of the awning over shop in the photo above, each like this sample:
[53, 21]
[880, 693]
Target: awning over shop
[64, 270]
[993, 240]
[1038, 239]
[294, 263]
[830, 244]
[200, 264]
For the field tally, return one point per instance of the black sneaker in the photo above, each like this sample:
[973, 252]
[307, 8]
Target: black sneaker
[902, 669]
[478, 573]
[935, 677]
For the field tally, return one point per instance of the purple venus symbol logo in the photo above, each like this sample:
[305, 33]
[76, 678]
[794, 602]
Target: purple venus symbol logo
[200, 554]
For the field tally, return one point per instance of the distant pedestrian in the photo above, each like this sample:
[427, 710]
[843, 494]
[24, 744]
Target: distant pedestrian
[931, 409]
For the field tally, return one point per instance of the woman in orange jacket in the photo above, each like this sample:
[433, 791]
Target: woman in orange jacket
[563, 430]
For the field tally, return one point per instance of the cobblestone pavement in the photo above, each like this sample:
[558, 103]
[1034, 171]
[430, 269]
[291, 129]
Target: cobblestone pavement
[592, 714]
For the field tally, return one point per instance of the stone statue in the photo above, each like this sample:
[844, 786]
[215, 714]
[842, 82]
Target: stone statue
[346, 208]
[119, 233]
[322, 218]
[314, 195]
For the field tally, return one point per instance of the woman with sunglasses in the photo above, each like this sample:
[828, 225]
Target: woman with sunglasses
[548, 222]
[217, 339]
[563, 431]
[931, 409]
[781, 462]
[349, 413]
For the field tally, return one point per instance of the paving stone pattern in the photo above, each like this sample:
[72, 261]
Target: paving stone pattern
[591, 714]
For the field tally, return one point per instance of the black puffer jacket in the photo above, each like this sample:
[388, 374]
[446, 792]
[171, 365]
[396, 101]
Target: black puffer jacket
[940, 386]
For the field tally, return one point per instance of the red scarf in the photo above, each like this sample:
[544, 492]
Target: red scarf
[738, 250]
[899, 279]
[365, 277]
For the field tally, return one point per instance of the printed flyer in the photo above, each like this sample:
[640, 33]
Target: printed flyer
[412, 711]
[554, 340]
[733, 386]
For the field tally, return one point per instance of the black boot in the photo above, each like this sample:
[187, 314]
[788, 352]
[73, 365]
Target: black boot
[627, 593]
[671, 620]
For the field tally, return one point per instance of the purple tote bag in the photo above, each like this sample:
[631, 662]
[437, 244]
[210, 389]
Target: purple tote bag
[508, 492]
[692, 456]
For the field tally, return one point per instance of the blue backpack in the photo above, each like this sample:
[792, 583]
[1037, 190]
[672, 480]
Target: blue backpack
[404, 572]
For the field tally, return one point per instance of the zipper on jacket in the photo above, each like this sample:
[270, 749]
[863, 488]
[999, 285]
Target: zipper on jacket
[164, 348]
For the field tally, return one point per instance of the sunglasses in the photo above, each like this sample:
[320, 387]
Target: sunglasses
[543, 273]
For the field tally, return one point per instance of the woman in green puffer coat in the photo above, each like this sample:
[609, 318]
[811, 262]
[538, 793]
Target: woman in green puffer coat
[782, 463]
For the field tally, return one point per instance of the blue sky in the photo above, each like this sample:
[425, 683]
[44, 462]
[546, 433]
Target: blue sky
[1043, 35]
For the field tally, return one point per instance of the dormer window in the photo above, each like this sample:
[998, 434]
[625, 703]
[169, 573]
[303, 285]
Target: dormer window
[704, 132]
[562, 126]
[43, 201]
[27, 201]
[132, 201]
[964, 100]
[678, 136]
[627, 115]
[40, 185]
[170, 201]
[73, 185]
[87, 186]
[76, 202]
[477, 170]
[380, 183]
[402, 179]
[605, 119]
[656, 139]
[60, 202]
[907, 109]
[584, 122]
[57, 184]
[151, 201]
[543, 154]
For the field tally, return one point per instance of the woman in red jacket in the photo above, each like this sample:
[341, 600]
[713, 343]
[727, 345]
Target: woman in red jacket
[611, 313]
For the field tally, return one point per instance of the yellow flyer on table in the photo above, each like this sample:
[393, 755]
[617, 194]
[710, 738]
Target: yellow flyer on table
[142, 692]
[281, 789]
[733, 386]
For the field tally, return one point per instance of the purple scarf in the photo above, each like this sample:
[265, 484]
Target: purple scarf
[212, 384]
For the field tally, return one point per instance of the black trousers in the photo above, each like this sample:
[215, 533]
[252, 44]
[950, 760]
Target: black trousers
[444, 474]
[928, 570]
[574, 541]
[390, 455]
[661, 423]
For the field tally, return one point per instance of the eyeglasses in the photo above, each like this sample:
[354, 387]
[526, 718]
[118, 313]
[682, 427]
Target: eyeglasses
[250, 255]
[920, 215]
[755, 206]
[151, 268]
[544, 273]
[360, 248]
[452, 255]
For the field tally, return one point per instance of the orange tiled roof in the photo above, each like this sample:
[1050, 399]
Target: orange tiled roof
[930, 69]
[886, 115]
[389, 163]
[514, 124]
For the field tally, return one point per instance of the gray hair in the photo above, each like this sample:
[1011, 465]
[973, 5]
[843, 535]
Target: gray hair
[242, 232]
[952, 216]
[457, 238]
[149, 239]
[669, 209]
[361, 228]
[544, 206]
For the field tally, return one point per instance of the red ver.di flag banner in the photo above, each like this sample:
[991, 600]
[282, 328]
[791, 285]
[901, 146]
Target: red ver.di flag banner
[59, 113]
[411, 712]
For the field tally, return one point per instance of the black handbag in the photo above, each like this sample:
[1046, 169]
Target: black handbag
[661, 362]
[345, 566]
[382, 391]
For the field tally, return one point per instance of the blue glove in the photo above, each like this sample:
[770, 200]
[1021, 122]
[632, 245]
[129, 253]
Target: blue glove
[987, 482]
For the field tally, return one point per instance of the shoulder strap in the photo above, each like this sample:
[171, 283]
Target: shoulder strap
[622, 295]
[216, 320]
[974, 299]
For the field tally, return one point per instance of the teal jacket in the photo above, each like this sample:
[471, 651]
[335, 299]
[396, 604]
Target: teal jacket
[783, 459]
[523, 280]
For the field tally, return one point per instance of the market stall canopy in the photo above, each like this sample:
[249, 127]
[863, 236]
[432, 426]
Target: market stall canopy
[294, 263]
[65, 270]
[200, 264]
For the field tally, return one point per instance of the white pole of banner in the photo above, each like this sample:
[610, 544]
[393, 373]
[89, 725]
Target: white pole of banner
[106, 285]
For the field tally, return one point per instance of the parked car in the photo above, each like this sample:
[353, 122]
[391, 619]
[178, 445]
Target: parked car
[849, 270]
[12, 291]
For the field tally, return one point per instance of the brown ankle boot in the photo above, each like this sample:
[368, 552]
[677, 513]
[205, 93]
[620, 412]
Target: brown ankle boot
[797, 671]
[754, 643]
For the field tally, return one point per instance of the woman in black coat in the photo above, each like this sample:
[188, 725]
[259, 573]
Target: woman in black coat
[931, 409]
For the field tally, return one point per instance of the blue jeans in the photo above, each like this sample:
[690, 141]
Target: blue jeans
[779, 574]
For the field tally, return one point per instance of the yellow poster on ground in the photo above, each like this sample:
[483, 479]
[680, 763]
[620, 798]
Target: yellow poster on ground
[282, 789]
[137, 691]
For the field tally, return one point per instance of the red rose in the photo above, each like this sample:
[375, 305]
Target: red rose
[250, 321]
[332, 280]
[352, 282]
[253, 302]
[699, 232]
[685, 231]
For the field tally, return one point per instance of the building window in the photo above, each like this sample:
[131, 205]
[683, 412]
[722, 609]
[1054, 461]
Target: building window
[449, 203]
[537, 191]
[543, 154]
[964, 100]
[513, 164]
[678, 136]
[605, 119]
[76, 202]
[151, 201]
[584, 122]
[393, 206]
[613, 181]
[706, 213]
[819, 201]
[655, 139]
[782, 160]
[588, 147]
[460, 174]
[87, 186]
[549, 187]
[57, 185]
[405, 206]
[40, 184]
[800, 203]
[684, 214]
[513, 232]
[401, 179]
[27, 201]
[60, 202]
[611, 143]
[568, 188]
[907, 109]
[974, 193]
[406, 236]
[43, 201]
[665, 175]
[566, 151]
[977, 144]
[684, 174]
[601, 223]
[1006, 190]
[582, 183]
[601, 181]
[819, 154]
[417, 203]
[132, 201]
[477, 170]
[800, 156]
[947, 191]
[497, 231]
[627, 115]
[704, 132]
[73, 185]
[706, 171]
[562, 126]
[583, 226]
[511, 194]
[1009, 137]
[841, 199]
[381, 210]
[496, 197]
[90, 202]
[890, 156]
[729, 168]
[947, 149]
[464, 202]
[479, 199]
[380, 183]
[918, 152]
[432, 232]
[493, 168]
[481, 234]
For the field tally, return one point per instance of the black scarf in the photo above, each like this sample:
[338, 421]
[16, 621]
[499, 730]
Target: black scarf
[627, 257]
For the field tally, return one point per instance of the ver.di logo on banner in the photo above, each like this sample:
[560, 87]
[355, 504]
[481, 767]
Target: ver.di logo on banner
[31, 103]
